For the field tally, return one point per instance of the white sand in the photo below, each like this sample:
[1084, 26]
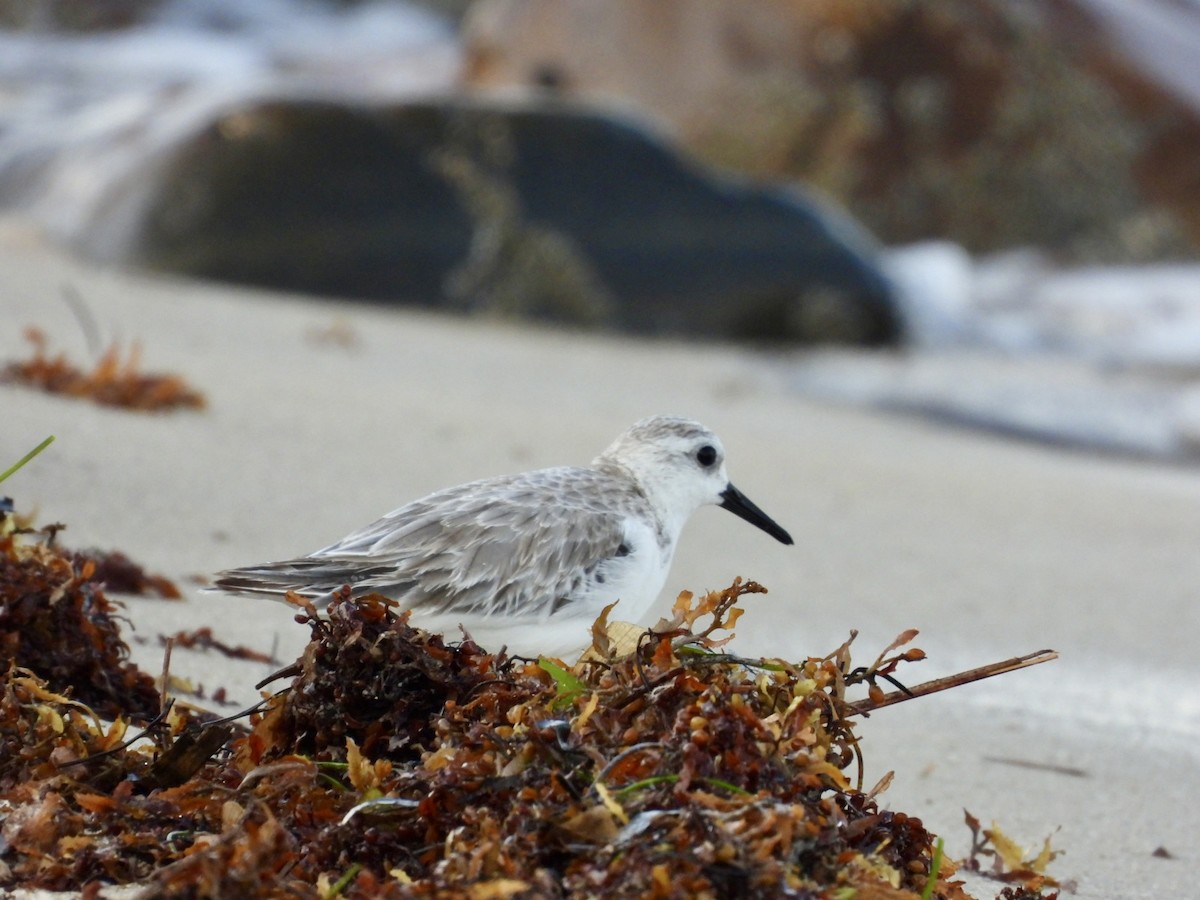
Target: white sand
[991, 548]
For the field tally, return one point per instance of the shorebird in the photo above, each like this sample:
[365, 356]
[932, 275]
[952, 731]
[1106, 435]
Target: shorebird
[529, 561]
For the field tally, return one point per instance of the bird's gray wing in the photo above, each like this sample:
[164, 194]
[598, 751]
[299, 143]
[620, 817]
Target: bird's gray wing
[518, 546]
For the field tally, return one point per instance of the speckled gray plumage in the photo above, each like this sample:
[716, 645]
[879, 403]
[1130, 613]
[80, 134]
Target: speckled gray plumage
[483, 548]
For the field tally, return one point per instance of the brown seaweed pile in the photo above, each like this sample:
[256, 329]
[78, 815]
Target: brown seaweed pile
[400, 765]
[55, 620]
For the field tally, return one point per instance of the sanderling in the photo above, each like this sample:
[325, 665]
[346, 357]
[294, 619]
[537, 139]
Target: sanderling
[529, 561]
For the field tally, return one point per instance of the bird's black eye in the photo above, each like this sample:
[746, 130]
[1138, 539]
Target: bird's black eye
[706, 455]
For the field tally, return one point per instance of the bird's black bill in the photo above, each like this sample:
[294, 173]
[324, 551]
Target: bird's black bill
[739, 504]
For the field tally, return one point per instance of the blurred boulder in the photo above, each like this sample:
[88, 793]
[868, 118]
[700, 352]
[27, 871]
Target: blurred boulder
[74, 15]
[975, 121]
[512, 210]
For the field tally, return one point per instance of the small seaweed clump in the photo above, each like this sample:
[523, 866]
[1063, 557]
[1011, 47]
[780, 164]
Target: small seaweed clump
[400, 765]
[121, 575]
[112, 382]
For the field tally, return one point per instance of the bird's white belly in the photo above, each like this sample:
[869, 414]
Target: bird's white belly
[565, 637]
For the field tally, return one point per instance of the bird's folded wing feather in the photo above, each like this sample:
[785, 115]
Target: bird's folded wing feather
[514, 546]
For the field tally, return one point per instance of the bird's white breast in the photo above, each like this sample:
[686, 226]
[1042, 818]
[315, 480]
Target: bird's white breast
[634, 580]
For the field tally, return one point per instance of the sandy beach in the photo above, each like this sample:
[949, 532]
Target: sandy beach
[991, 548]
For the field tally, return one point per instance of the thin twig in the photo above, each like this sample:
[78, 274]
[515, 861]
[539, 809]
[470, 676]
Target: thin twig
[862, 707]
[166, 675]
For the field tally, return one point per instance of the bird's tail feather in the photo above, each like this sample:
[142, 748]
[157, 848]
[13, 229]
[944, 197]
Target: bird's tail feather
[313, 578]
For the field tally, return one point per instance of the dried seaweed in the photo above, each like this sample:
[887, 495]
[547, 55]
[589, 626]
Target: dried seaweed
[399, 765]
[112, 382]
[1009, 862]
[121, 575]
[202, 639]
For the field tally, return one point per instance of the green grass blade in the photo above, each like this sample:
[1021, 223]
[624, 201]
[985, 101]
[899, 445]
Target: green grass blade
[27, 457]
[342, 883]
[934, 865]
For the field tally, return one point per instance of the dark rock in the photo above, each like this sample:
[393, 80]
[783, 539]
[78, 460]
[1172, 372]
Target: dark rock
[527, 210]
[74, 15]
